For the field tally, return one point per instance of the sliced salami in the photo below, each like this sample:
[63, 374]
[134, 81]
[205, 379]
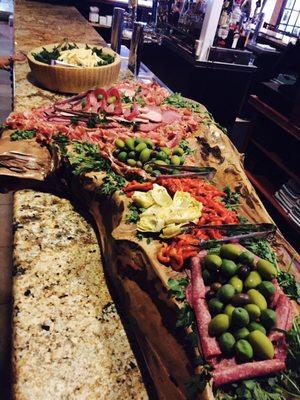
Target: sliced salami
[223, 376]
[209, 345]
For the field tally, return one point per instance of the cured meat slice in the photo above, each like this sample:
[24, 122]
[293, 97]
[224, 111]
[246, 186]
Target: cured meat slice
[170, 116]
[285, 314]
[198, 284]
[209, 345]
[113, 92]
[278, 292]
[223, 376]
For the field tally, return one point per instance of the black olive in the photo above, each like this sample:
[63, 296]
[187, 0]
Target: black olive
[210, 294]
[243, 271]
[216, 286]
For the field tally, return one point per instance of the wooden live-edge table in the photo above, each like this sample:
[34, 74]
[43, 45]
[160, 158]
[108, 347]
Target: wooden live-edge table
[35, 27]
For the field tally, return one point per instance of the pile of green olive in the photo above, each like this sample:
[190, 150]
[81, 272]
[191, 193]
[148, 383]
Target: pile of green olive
[238, 300]
[140, 152]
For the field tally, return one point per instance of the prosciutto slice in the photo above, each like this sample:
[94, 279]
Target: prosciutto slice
[209, 345]
[237, 372]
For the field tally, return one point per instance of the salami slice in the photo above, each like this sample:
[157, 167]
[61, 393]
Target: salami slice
[284, 312]
[223, 376]
[197, 281]
[209, 345]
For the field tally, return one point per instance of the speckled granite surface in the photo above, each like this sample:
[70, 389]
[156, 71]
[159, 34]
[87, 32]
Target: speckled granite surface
[68, 340]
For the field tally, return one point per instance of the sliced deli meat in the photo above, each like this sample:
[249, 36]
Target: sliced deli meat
[223, 376]
[209, 345]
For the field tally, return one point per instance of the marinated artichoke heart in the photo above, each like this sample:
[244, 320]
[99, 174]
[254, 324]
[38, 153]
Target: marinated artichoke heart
[161, 196]
[164, 213]
[171, 231]
[143, 199]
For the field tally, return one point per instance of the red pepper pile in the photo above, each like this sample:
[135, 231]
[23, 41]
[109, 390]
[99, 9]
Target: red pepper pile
[214, 212]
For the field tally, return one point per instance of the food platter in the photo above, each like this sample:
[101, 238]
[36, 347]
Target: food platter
[169, 195]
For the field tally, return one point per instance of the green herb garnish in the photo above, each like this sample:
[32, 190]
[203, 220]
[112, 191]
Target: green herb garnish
[176, 100]
[111, 183]
[231, 198]
[133, 216]
[177, 287]
[22, 135]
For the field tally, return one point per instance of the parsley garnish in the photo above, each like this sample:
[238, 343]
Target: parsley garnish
[177, 287]
[133, 215]
[22, 134]
[111, 183]
[231, 199]
[176, 100]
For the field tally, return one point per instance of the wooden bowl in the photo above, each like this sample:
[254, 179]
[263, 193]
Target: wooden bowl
[73, 79]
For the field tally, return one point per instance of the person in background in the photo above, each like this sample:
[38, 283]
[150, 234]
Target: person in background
[6, 62]
[176, 9]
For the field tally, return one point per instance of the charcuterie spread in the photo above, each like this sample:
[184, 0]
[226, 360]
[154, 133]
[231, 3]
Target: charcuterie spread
[157, 162]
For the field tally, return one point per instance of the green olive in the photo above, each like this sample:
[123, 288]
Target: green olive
[257, 298]
[266, 288]
[161, 155]
[160, 162]
[237, 283]
[246, 257]
[140, 147]
[131, 162]
[122, 156]
[120, 143]
[212, 262]
[100, 97]
[268, 318]
[228, 268]
[145, 155]
[175, 160]
[149, 143]
[129, 142]
[240, 317]
[243, 350]
[229, 310]
[255, 326]
[262, 346]
[166, 151]
[111, 99]
[178, 151]
[218, 325]
[241, 333]
[266, 269]
[226, 292]
[253, 280]
[215, 306]
[226, 342]
[230, 251]
[253, 311]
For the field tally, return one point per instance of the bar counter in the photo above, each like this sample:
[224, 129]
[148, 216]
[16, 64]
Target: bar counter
[68, 339]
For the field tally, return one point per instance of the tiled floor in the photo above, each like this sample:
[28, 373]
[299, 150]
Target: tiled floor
[6, 47]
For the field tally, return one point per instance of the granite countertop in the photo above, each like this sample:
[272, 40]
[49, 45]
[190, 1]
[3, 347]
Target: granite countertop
[68, 339]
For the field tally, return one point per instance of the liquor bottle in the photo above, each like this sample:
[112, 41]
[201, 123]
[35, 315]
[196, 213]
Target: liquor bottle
[235, 18]
[223, 25]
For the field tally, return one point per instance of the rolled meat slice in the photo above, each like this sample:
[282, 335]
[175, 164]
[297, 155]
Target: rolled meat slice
[223, 376]
[209, 345]
[113, 92]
